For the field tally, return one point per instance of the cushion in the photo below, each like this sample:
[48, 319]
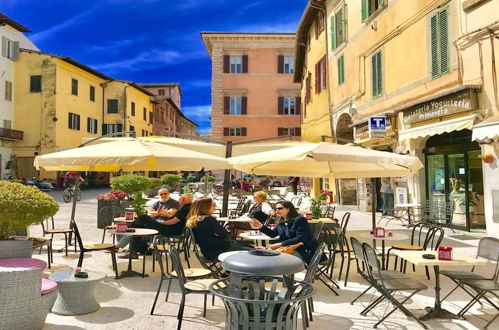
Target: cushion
[406, 247]
[48, 286]
[22, 263]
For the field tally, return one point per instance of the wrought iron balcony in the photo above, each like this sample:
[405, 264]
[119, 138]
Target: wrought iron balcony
[11, 134]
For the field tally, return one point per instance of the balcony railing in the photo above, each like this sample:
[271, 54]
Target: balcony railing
[11, 134]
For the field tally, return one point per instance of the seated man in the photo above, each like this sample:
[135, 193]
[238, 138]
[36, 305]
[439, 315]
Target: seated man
[164, 210]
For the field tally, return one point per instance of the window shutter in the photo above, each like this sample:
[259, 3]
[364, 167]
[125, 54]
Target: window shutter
[434, 46]
[244, 105]
[380, 74]
[280, 105]
[280, 131]
[4, 47]
[280, 64]
[245, 63]
[297, 131]
[69, 120]
[365, 10]
[316, 26]
[226, 131]
[15, 51]
[226, 63]
[78, 122]
[243, 131]
[380, 3]
[344, 23]
[226, 105]
[333, 32]
[104, 129]
[120, 128]
[374, 75]
[297, 105]
[317, 80]
[88, 125]
[444, 41]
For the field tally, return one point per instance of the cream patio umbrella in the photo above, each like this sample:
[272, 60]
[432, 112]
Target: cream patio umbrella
[129, 154]
[328, 159]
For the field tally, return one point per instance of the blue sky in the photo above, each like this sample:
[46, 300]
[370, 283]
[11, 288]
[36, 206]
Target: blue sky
[150, 40]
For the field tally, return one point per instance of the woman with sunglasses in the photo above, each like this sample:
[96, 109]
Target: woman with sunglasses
[292, 229]
[211, 237]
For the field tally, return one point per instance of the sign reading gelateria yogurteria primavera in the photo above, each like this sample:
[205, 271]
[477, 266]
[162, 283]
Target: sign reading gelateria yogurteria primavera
[462, 101]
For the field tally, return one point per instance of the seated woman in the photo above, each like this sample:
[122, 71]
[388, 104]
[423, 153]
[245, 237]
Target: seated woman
[211, 237]
[292, 228]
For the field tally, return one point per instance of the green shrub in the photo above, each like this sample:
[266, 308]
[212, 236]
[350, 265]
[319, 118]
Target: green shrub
[191, 179]
[210, 179]
[170, 179]
[21, 206]
[130, 183]
[155, 182]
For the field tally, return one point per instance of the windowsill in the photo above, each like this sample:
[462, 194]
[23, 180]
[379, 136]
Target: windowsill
[375, 14]
[340, 47]
[35, 92]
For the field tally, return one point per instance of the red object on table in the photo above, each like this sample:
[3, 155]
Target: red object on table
[308, 215]
[379, 232]
[444, 253]
[128, 215]
[121, 227]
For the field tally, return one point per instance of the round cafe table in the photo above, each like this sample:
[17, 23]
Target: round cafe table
[257, 264]
[258, 237]
[137, 233]
[395, 237]
[76, 295]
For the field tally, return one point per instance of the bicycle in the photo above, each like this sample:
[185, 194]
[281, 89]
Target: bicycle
[67, 195]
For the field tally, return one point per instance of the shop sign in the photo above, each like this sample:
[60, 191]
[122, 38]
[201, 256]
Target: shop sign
[465, 100]
[362, 130]
[377, 127]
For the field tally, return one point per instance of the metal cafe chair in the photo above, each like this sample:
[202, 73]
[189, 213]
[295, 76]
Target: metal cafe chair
[53, 231]
[197, 285]
[388, 287]
[361, 263]
[325, 268]
[214, 267]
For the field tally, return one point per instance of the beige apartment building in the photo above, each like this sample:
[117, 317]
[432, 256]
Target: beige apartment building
[253, 94]
[167, 113]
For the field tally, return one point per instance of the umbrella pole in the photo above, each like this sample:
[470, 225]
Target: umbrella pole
[374, 200]
[73, 209]
[227, 181]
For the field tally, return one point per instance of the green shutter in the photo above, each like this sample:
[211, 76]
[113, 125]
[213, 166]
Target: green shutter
[444, 41]
[380, 73]
[341, 70]
[365, 10]
[434, 46]
[380, 3]
[377, 80]
[104, 129]
[333, 32]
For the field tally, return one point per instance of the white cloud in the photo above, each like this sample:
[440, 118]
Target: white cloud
[150, 59]
[113, 45]
[36, 37]
[204, 130]
[253, 4]
[198, 113]
[198, 83]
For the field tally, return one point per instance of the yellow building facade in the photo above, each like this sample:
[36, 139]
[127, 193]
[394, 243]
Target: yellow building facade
[401, 60]
[311, 70]
[60, 101]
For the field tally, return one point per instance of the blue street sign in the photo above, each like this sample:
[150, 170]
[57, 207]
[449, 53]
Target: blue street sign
[377, 127]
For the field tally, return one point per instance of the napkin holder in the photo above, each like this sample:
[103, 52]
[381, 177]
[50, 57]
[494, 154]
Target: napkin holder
[379, 232]
[444, 253]
[121, 227]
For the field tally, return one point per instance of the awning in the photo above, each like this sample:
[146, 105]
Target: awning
[487, 129]
[442, 127]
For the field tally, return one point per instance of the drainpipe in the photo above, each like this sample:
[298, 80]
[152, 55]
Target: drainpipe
[104, 85]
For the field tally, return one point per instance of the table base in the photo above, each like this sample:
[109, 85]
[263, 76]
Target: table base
[130, 273]
[75, 299]
[438, 313]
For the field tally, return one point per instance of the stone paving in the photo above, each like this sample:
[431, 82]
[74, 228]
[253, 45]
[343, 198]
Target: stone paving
[125, 303]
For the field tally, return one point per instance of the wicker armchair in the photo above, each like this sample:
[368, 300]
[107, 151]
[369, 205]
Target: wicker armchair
[24, 302]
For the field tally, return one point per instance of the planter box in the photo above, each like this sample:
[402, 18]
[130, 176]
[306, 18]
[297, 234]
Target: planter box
[106, 211]
[16, 249]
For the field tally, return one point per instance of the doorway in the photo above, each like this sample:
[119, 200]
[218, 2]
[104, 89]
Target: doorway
[454, 176]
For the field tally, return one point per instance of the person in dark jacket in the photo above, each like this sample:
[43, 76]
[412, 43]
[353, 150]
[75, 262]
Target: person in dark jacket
[209, 234]
[291, 229]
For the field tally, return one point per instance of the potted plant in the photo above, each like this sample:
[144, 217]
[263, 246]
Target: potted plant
[323, 197]
[21, 206]
[315, 208]
[171, 181]
[107, 204]
[329, 195]
[134, 185]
